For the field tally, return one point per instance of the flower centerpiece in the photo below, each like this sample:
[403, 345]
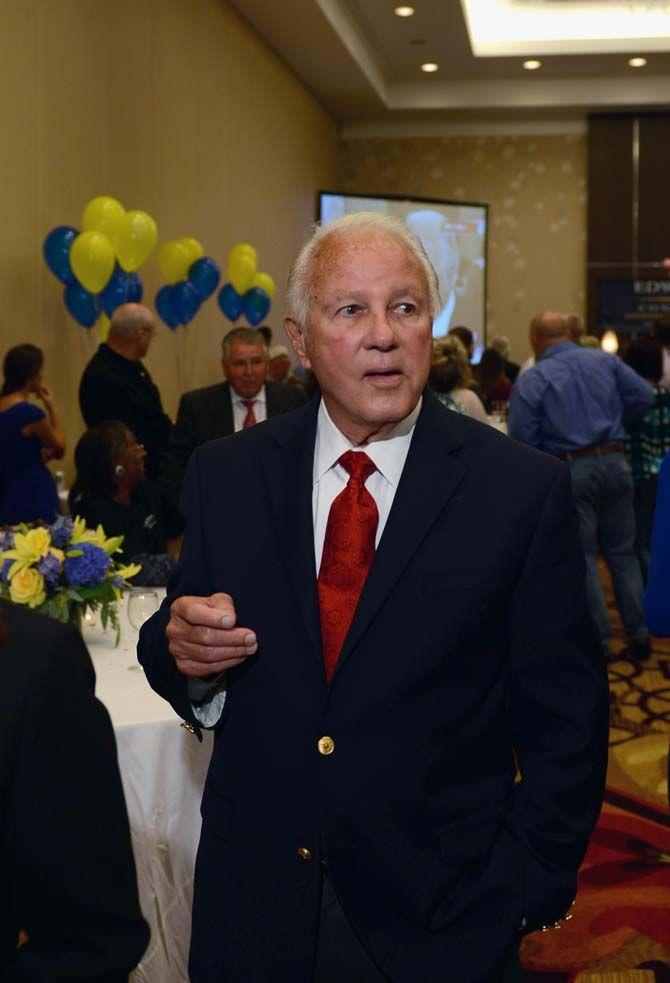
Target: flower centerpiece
[62, 569]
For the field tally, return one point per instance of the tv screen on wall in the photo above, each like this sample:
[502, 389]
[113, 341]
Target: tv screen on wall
[453, 234]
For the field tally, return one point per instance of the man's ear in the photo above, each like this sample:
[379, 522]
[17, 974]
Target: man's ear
[297, 337]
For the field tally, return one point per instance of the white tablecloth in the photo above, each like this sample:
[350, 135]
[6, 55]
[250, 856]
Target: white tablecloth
[163, 770]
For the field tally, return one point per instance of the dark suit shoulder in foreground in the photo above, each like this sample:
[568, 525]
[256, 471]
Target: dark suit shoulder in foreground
[67, 869]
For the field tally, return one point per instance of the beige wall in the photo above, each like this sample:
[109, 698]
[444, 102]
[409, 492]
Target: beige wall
[536, 187]
[172, 106]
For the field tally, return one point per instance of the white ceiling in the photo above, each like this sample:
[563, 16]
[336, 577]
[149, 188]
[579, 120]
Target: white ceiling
[363, 63]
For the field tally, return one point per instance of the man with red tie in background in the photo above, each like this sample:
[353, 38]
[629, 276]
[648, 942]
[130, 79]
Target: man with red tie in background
[245, 397]
[373, 671]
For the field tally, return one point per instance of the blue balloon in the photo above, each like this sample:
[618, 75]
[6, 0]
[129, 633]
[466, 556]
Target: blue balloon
[204, 274]
[230, 302]
[56, 250]
[116, 292]
[165, 307]
[82, 305]
[185, 300]
[135, 290]
[256, 305]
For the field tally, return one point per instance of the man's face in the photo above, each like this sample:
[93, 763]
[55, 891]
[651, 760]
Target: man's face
[278, 368]
[144, 337]
[246, 368]
[368, 337]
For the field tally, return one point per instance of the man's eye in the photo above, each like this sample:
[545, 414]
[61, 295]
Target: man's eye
[406, 308]
[349, 310]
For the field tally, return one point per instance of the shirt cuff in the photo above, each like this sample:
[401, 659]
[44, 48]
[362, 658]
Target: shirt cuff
[207, 698]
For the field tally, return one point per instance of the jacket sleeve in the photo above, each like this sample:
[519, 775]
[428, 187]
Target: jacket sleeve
[72, 873]
[191, 577]
[657, 599]
[183, 441]
[558, 707]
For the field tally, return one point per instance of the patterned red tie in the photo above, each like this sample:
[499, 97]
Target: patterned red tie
[250, 418]
[348, 551]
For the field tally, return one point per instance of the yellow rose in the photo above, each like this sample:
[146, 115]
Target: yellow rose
[38, 541]
[27, 587]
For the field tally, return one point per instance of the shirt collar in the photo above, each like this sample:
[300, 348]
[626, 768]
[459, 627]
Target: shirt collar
[387, 455]
[240, 400]
[559, 346]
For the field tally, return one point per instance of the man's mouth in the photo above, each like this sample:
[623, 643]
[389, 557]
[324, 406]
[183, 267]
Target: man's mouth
[383, 376]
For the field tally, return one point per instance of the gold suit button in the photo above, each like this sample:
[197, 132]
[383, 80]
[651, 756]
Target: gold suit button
[326, 745]
[304, 853]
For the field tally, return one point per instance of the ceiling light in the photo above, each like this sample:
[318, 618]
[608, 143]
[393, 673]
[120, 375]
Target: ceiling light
[532, 64]
[404, 11]
[429, 66]
[637, 62]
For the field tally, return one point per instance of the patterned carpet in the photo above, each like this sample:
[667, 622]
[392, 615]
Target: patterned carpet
[620, 930]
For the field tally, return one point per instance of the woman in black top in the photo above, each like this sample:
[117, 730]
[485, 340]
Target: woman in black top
[112, 490]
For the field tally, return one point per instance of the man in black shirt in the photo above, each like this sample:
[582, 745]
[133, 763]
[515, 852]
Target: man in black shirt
[117, 386]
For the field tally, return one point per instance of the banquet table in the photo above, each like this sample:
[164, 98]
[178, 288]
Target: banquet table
[163, 770]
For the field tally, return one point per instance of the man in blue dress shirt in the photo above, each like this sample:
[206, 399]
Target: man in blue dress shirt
[573, 404]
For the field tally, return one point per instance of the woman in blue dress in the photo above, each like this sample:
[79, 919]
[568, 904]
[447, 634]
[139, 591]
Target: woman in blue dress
[29, 436]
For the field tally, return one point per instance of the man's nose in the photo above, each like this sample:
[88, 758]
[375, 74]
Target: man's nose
[381, 333]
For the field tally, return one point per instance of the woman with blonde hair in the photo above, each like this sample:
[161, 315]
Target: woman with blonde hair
[451, 376]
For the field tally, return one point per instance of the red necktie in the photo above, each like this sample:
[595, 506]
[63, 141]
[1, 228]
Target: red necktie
[250, 418]
[348, 551]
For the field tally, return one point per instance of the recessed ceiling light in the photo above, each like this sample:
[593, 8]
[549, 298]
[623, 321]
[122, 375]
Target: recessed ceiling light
[637, 62]
[404, 11]
[532, 64]
[429, 66]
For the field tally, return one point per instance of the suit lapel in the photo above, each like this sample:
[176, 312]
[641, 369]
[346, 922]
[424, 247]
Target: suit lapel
[222, 422]
[430, 477]
[289, 474]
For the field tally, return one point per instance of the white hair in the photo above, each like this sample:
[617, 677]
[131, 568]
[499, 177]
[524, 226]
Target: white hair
[299, 279]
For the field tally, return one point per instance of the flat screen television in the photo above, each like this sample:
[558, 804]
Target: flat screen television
[453, 233]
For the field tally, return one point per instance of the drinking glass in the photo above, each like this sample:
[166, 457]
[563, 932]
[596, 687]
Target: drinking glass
[142, 603]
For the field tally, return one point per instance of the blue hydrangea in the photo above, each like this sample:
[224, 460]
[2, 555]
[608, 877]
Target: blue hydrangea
[6, 540]
[61, 530]
[50, 568]
[89, 569]
[4, 570]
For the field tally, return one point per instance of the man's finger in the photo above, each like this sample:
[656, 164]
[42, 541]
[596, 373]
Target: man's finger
[200, 611]
[198, 670]
[181, 649]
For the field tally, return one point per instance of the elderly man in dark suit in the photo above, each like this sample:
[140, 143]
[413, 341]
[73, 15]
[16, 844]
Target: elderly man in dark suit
[245, 398]
[373, 671]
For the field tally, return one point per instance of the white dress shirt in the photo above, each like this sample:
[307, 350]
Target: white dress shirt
[240, 410]
[329, 479]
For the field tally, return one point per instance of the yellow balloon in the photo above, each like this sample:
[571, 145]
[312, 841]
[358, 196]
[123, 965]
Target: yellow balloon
[102, 324]
[241, 270]
[103, 214]
[193, 247]
[173, 260]
[265, 282]
[243, 247]
[92, 260]
[136, 240]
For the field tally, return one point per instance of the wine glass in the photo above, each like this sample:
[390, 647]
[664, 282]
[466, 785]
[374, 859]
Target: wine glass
[142, 603]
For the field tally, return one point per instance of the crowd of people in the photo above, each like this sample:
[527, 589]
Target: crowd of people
[567, 399]
[131, 459]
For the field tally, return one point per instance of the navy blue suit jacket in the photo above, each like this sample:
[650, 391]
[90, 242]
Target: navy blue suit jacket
[471, 644]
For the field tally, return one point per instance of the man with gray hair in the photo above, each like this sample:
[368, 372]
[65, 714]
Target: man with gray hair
[374, 672]
[116, 384]
[573, 403]
[245, 398]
